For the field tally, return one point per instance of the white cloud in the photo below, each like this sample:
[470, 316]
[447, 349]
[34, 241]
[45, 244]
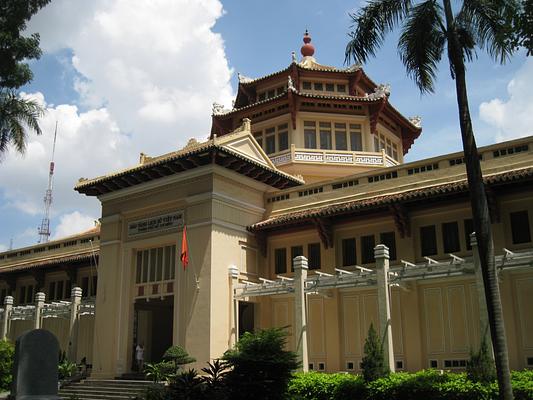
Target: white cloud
[150, 70]
[72, 223]
[88, 144]
[512, 117]
[156, 65]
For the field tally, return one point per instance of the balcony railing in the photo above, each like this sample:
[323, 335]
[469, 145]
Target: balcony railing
[337, 157]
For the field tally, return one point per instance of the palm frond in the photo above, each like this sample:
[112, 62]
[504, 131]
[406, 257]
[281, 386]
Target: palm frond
[490, 22]
[371, 24]
[17, 117]
[421, 43]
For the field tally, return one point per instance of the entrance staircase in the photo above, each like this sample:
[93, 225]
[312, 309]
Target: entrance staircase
[104, 389]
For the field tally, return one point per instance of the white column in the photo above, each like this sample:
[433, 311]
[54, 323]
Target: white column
[482, 304]
[300, 315]
[39, 303]
[75, 300]
[381, 254]
[8, 305]
[233, 272]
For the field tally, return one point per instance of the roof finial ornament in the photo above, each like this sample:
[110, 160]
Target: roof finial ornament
[307, 49]
[416, 121]
[293, 57]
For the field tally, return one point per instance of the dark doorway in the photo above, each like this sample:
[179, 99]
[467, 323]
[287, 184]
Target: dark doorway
[153, 326]
[246, 317]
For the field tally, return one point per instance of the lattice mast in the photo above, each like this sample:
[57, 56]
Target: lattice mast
[44, 229]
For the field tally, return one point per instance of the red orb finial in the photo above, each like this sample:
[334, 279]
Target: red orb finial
[307, 49]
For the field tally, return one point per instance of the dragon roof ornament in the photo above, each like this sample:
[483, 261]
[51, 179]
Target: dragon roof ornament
[381, 91]
[290, 84]
[218, 109]
[243, 78]
[354, 67]
[416, 121]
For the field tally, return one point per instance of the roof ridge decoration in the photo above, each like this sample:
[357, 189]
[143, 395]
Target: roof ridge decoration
[354, 67]
[416, 121]
[244, 79]
[290, 85]
[381, 91]
[218, 109]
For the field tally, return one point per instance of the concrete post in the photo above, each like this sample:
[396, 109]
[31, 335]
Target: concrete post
[482, 304]
[233, 272]
[75, 300]
[300, 315]
[381, 254]
[39, 304]
[8, 305]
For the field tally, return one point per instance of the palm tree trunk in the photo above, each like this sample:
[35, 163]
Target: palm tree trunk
[480, 213]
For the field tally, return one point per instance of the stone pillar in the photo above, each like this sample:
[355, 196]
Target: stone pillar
[8, 305]
[39, 304]
[75, 300]
[482, 303]
[233, 272]
[300, 315]
[381, 254]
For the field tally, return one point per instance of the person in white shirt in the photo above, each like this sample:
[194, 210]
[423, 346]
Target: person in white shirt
[139, 357]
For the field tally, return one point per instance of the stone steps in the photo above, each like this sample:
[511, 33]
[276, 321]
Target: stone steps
[104, 389]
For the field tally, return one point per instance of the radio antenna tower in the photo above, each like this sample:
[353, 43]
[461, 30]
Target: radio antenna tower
[44, 229]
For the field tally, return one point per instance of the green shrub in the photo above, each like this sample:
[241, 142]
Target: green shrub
[261, 367]
[373, 363]
[178, 356]
[7, 353]
[522, 382]
[186, 385]
[321, 386]
[215, 380]
[66, 369]
[159, 372]
[480, 367]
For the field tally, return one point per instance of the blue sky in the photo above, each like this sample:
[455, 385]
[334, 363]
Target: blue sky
[121, 80]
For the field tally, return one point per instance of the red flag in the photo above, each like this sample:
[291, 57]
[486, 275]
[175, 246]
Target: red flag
[184, 257]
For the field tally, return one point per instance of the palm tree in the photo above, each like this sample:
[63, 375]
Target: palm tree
[17, 116]
[429, 28]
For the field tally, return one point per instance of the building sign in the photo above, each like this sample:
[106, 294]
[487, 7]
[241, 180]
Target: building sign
[155, 224]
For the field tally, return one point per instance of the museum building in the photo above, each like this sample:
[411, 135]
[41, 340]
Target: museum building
[308, 162]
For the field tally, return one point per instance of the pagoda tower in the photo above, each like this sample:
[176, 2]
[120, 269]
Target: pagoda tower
[318, 121]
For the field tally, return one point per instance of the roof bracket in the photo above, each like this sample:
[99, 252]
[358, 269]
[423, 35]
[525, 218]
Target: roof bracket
[325, 230]
[401, 219]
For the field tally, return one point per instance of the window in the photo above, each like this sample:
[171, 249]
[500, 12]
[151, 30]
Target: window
[310, 134]
[469, 228]
[22, 295]
[325, 135]
[389, 240]
[348, 252]
[306, 85]
[270, 140]
[341, 88]
[356, 142]
[428, 240]
[283, 137]
[330, 87]
[340, 137]
[85, 286]
[280, 90]
[367, 249]
[520, 227]
[433, 363]
[280, 261]
[450, 237]
[295, 252]
[271, 93]
[318, 86]
[261, 96]
[258, 136]
[52, 291]
[313, 251]
[376, 144]
[153, 265]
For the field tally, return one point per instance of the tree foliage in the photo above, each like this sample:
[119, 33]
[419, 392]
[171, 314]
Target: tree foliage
[7, 354]
[373, 363]
[261, 367]
[17, 115]
[480, 367]
[15, 49]
[178, 356]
